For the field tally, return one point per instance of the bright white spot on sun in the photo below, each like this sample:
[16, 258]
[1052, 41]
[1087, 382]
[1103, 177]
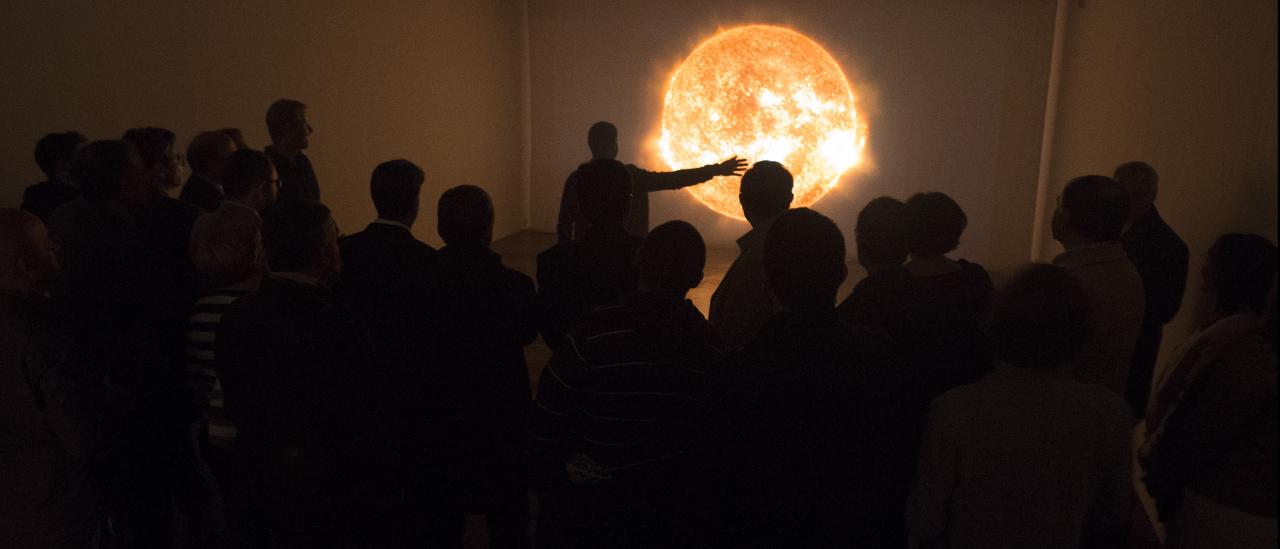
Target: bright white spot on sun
[762, 93]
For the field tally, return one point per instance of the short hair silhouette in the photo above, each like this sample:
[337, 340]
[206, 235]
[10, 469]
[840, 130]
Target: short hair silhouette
[281, 115]
[1096, 206]
[228, 251]
[1040, 319]
[465, 216]
[294, 234]
[395, 186]
[1138, 179]
[1241, 270]
[244, 171]
[602, 139]
[604, 191]
[56, 147]
[935, 224]
[881, 232]
[152, 144]
[672, 257]
[804, 259]
[766, 189]
[236, 135]
[102, 169]
[203, 150]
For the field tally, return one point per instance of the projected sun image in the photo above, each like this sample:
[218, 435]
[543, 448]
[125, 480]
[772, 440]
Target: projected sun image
[762, 93]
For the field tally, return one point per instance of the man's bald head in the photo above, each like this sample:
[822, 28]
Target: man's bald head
[27, 260]
[1141, 182]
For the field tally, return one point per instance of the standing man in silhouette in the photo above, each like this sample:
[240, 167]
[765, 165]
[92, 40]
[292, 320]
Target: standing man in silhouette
[741, 304]
[1161, 258]
[290, 134]
[602, 138]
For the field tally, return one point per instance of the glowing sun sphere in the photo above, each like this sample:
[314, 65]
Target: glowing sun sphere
[762, 93]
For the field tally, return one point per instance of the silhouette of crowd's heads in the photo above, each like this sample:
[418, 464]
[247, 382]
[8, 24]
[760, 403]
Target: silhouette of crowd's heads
[765, 191]
[465, 217]
[54, 152]
[207, 153]
[110, 170]
[301, 237]
[602, 139]
[936, 223]
[672, 258]
[881, 233]
[287, 124]
[804, 260]
[1040, 319]
[27, 254]
[249, 178]
[1239, 272]
[395, 187]
[161, 160]
[1141, 182]
[1093, 209]
[604, 191]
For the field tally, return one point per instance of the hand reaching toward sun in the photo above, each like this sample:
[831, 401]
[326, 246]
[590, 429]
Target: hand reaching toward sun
[732, 166]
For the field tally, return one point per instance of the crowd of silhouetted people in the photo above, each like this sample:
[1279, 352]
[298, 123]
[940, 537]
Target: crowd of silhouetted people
[227, 369]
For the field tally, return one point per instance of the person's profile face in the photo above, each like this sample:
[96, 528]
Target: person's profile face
[169, 173]
[303, 129]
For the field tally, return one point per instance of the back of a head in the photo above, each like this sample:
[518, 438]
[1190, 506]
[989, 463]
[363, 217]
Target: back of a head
[1096, 206]
[765, 190]
[395, 186]
[54, 148]
[207, 149]
[282, 116]
[153, 144]
[236, 135]
[881, 232]
[1040, 319]
[464, 216]
[1139, 180]
[604, 191]
[935, 223]
[804, 259]
[602, 139]
[1240, 272]
[227, 249]
[672, 257]
[102, 169]
[244, 171]
[295, 233]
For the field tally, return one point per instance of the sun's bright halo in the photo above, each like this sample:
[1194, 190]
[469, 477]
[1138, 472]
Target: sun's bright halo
[762, 93]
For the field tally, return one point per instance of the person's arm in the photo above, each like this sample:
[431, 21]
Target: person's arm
[1171, 283]
[549, 416]
[929, 503]
[646, 181]
[568, 220]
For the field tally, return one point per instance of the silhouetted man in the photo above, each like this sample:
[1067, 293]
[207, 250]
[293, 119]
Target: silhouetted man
[1027, 457]
[1161, 258]
[206, 154]
[1088, 222]
[53, 155]
[616, 409]
[47, 426]
[128, 297]
[290, 135]
[799, 405]
[483, 316]
[576, 275]
[294, 375]
[741, 303]
[883, 300]
[602, 139]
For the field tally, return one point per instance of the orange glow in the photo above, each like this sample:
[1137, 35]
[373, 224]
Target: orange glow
[762, 93]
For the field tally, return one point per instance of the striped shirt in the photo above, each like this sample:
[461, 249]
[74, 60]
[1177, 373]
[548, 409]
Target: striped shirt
[202, 330]
[618, 401]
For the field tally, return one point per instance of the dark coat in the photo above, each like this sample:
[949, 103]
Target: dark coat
[577, 275]
[1161, 258]
[43, 198]
[202, 193]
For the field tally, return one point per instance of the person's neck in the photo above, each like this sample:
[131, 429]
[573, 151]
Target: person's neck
[406, 221]
[285, 150]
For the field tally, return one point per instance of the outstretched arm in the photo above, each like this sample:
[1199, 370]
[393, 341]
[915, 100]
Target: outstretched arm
[647, 181]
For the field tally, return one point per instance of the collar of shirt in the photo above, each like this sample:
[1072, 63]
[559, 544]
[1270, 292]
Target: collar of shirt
[391, 222]
[240, 205]
[215, 184]
[754, 239]
[302, 278]
[1105, 252]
